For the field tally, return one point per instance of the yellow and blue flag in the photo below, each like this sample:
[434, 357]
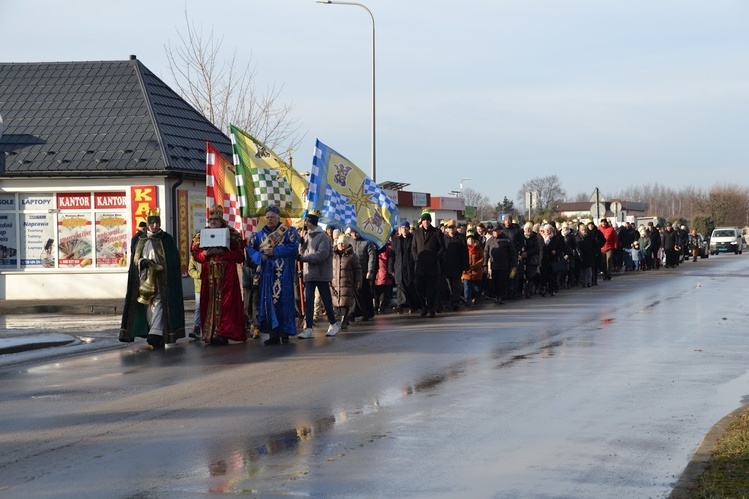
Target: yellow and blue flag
[348, 198]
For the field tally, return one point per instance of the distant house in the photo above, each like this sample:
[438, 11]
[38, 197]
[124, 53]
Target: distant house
[87, 149]
[628, 210]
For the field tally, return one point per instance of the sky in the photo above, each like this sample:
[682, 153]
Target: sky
[483, 94]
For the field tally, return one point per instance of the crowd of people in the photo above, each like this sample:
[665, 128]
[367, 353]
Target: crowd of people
[295, 278]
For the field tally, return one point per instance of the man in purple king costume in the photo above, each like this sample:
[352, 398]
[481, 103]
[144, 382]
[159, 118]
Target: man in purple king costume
[274, 249]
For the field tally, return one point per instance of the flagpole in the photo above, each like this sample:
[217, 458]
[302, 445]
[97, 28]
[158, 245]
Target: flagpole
[373, 148]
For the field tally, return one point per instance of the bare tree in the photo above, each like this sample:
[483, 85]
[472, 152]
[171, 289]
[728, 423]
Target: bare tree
[225, 92]
[484, 208]
[549, 189]
[726, 205]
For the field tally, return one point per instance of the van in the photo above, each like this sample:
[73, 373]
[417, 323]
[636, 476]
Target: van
[725, 239]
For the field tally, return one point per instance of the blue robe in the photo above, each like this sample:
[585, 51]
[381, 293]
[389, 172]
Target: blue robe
[278, 275]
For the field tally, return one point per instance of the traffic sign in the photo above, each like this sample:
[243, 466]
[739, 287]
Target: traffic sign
[598, 210]
[596, 197]
[615, 208]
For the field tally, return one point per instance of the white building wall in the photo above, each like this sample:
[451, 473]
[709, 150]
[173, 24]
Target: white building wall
[86, 282]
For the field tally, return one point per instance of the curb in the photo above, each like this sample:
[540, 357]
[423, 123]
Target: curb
[28, 343]
[689, 478]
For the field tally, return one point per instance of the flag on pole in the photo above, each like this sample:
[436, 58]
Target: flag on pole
[264, 179]
[221, 189]
[221, 186]
[347, 198]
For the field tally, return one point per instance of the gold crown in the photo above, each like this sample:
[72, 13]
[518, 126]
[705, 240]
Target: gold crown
[154, 212]
[216, 211]
[314, 213]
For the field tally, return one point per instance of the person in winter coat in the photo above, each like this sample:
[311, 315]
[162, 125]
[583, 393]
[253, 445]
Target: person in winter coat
[317, 257]
[427, 249]
[473, 277]
[383, 282]
[586, 255]
[611, 243]
[553, 251]
[455, 262]
[193, 270]
[654, 234]
[503, 260]
[670, 241]
[347, 278]
[367, 253]
[530, 258]
[402, 267]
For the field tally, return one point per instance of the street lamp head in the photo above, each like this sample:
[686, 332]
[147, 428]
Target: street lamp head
[323, 1]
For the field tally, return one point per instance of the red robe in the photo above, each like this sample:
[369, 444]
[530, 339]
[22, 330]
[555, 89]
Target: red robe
[221, 311]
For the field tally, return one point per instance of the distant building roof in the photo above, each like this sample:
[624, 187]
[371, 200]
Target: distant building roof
[586, 205]
[105, 118]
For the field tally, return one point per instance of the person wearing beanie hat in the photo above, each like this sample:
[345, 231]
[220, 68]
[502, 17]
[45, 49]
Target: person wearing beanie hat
[274, 250]
[221, 305]
[428, 249]
[316, 253]
[404, 223]
[402, 268]
[425, 215]
[455, 263]
[473, 276]
[154, 304]
[347, 278]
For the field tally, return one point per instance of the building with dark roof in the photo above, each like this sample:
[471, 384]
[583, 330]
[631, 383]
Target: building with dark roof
[87, 149]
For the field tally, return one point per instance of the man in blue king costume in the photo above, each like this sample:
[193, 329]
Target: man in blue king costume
[274, 249]
[154, 307]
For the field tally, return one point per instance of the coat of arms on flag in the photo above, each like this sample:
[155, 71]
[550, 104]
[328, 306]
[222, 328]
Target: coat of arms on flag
[347, 198]
[265, 179]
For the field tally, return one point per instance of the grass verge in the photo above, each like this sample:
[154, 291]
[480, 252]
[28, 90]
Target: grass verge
[727, 472]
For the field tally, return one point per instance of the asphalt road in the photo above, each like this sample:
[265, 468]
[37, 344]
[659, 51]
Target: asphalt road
[594, 393]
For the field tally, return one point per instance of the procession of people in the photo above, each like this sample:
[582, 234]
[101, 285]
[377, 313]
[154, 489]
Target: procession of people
[284, 281]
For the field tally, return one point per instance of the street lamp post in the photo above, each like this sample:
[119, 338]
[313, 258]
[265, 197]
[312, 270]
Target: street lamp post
[374, 154]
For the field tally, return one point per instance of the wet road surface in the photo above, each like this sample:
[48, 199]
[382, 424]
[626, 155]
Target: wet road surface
[593, 393]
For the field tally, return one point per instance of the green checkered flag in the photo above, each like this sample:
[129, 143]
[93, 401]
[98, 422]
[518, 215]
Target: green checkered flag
[271, 188]
[265, 179]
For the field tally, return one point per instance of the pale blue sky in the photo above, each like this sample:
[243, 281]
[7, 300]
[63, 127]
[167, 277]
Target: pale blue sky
[604, 94]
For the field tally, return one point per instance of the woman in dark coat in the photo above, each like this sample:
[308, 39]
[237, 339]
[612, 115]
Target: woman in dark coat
[553, 252]
[586, 255]
[402, 267]
[347, 278]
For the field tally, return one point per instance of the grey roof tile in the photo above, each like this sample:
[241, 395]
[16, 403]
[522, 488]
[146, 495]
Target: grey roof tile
[84, 118]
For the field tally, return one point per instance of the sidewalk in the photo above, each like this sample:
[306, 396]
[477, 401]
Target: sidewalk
[11, 342]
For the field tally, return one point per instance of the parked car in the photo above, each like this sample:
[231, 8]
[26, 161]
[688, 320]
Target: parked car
[726, 239]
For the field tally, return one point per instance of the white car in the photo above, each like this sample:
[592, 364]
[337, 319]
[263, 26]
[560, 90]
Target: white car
[726, 239]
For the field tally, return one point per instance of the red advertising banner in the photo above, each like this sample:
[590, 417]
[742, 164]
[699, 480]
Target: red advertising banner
[74, 200]
[110, 201]
[143, 199]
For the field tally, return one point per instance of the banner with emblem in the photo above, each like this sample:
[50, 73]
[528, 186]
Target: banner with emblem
[264, 179]
[347, 198]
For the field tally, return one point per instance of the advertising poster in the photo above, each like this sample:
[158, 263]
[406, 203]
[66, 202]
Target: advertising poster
[142, 201]
[38, 240]
[74, 233]
[8, 243]
[112, 237]
[7, 202]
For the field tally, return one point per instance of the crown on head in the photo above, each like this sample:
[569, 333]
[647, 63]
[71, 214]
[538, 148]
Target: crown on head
[314, 213]
[216, 211]
[154, 212]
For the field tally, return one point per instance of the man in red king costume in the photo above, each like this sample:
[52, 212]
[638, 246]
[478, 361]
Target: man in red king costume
[221, 312]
